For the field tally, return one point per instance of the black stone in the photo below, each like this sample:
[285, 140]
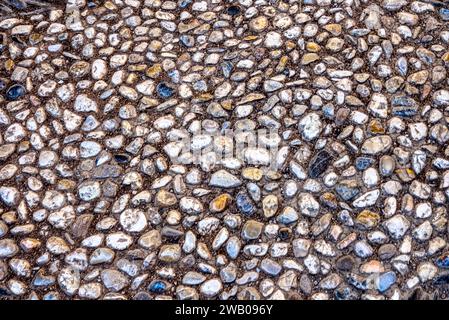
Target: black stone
[233, 10]
[3, 292]
[15, 92]
[284, 233]
[405, 112]
[319, 164]
[121, 158]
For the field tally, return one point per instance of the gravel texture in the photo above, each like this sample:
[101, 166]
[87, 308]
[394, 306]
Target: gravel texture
[212, 149]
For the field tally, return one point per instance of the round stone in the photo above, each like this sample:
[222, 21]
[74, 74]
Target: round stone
[15, 92]
[211, 288]
[258, 24]
[133, 220]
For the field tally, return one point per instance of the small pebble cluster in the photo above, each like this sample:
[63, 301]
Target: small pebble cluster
[95, 94]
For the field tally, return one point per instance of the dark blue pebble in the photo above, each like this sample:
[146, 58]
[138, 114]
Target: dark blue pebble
[164, 91]
[284, 234]
[121, 158]
[244, 204]
[184, 3]
[319, 164]
[3, 292]
[157, 287]
[405, 112]
[442, 279]
[15, 92]
[362, 163]
[233, 10]
[2, 85]
[91, 4]
[443, 261]
[403, 101]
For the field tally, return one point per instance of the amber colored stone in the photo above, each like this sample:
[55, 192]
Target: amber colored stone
[405, 174]
[375, 126]
[220, 203]
[367, 219]
[254, 174]
[227, 105]
[333, 28]
[9, 65]
[312, 47]
[154, 71]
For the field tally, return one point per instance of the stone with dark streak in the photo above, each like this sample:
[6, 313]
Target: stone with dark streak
[319, 163]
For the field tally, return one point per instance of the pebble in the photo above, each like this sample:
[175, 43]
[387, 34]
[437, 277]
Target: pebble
[385, 281]
[319, 164]
[164, 91]
[310, 126]
[376, 145]
[114, 280]
[133, 220]
[307, 204]
[245, 204]
[224, 179]
[211, 288]
[252, 230]
[8, 248]
[397, 226]
[15, 92]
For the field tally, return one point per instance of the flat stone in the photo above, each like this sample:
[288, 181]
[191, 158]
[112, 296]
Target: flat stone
[376, 145]
[224, 179]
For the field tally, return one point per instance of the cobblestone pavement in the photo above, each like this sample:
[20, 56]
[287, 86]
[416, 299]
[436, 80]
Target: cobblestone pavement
[212, 149]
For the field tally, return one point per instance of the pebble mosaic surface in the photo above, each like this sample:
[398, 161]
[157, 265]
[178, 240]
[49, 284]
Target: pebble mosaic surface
[118, 179]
